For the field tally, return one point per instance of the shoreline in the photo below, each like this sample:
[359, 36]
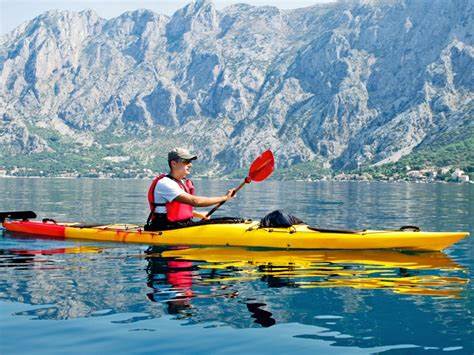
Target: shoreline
[198, 178]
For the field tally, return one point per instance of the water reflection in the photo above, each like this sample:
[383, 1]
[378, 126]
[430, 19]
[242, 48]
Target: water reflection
[415, 273]
[180, 278]
[171, 283]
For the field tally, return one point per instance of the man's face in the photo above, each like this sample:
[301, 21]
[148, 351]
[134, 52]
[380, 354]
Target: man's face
[181, 167]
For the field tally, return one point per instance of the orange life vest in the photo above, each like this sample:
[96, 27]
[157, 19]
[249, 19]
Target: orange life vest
[175, 211]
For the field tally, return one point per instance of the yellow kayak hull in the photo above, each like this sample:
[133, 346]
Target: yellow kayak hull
[297, 237]
[245, 235]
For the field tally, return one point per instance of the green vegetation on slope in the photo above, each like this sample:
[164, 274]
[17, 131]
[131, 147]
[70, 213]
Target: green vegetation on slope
[443, 153]
[143, 156]
[311, 170]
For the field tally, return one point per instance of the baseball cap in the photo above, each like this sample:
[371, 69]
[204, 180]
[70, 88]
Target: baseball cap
[181, 154]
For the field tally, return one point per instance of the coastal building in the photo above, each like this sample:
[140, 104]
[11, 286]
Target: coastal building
[415, 175]
[459, 175]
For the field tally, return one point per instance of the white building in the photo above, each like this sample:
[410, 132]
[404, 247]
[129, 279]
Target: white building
[458, 175]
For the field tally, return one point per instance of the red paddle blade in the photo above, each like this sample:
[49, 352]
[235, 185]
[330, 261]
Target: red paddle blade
[262, 167]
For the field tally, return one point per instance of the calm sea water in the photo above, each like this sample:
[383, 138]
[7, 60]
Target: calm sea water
[60, 297]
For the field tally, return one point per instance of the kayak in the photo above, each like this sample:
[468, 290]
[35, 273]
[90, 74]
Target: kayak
[243, 234]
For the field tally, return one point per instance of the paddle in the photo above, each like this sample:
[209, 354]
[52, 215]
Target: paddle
[261, 168]
[24, 215]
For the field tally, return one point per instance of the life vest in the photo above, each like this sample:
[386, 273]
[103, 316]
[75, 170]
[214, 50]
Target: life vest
[175, 211]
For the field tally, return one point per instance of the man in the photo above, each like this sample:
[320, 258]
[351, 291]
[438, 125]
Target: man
[171, 197]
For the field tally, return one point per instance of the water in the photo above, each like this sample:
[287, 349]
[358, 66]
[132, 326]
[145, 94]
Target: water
[61, 297]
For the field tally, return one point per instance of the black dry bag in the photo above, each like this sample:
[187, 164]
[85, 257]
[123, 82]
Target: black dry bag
[279, 219]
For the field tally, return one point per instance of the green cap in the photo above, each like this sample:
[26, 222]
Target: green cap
[181, 154]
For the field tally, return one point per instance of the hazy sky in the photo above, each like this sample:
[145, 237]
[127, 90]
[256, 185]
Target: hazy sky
[14, 12]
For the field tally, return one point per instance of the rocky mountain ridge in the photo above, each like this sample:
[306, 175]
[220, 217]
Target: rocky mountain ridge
[347, 84]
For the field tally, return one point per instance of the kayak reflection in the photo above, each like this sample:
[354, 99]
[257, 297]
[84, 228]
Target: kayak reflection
[35, 258]
[414, 274]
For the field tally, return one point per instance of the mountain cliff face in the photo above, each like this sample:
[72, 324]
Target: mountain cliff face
[350, 84]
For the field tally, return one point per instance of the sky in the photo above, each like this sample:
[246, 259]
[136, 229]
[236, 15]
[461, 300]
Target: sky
[15, 12]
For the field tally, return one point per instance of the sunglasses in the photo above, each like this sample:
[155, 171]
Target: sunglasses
[185, 161]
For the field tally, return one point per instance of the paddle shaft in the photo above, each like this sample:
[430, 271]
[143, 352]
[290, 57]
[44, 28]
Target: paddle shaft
[221, 203]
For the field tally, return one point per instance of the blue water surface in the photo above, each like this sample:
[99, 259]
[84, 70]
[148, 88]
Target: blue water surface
[77, 297]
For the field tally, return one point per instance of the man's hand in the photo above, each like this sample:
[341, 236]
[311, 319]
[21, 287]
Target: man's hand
[230, 194]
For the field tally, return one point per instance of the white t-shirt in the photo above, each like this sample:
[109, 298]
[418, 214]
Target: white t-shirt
[166, 190]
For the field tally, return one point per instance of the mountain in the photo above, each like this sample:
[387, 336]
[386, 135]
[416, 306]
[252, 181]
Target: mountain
[346, 84]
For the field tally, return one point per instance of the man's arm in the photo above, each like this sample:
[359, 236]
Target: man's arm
[202, 201]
